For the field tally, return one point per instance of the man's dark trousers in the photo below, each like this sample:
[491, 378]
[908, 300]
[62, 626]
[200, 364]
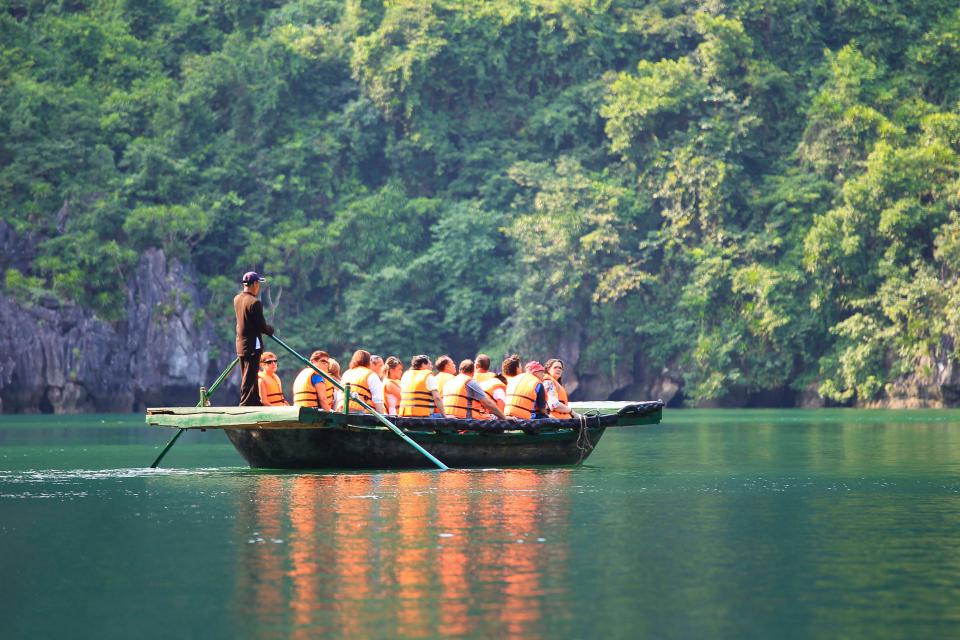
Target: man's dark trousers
[249, 389]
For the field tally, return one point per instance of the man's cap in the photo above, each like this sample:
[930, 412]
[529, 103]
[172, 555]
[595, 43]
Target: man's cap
[252, 276]
[533, 366]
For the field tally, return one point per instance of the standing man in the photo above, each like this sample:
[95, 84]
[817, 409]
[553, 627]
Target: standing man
[251, 326]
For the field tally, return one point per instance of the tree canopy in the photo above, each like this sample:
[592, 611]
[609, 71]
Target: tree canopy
[751, 195]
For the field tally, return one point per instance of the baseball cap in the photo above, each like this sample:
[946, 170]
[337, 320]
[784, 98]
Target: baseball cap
[252, 276]
[533, 366]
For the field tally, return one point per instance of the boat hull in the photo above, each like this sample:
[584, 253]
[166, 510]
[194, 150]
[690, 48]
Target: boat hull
[363, 448]
[309, 438]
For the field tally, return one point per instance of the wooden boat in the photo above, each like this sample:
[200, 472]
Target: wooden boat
[306, 438]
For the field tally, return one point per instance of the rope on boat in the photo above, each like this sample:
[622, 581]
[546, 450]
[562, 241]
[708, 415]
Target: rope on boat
[583, 440]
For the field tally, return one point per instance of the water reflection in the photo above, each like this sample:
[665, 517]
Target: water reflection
[416, 554]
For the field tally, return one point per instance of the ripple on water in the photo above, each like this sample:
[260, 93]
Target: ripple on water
[23, 484]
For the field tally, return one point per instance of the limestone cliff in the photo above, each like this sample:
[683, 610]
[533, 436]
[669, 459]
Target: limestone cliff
[58, 357]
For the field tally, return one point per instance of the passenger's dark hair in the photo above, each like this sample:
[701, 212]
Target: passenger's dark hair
[442, 362]
[360, 358]
[466, 366]
[418, 361]
[511, 365]
[482, 361]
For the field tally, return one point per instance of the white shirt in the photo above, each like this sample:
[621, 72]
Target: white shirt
[432, 383]
[375, 384]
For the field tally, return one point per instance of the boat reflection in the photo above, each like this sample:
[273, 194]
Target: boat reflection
[413, 554]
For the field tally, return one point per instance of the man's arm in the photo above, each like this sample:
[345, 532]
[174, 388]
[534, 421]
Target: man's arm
[492, 407]
[437, 400]
[321, 389]
[257, 319]
[375, 385]
[483, 398]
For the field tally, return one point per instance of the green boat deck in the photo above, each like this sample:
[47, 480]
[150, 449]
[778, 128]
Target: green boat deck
[310, 418]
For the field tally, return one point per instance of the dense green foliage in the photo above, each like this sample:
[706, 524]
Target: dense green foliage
[753, 195]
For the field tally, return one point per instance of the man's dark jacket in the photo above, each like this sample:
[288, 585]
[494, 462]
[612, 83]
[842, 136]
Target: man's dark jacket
[250, 323]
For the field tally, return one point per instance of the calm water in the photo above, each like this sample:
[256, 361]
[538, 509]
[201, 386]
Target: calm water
[714, 524]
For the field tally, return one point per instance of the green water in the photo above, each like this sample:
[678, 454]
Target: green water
[765, 524]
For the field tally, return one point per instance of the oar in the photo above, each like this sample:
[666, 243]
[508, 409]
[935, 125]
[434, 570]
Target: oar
[363, 404]
[203, 400]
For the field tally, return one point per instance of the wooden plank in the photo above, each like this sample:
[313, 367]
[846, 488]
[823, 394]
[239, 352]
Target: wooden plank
[233, 417]
[268, 413]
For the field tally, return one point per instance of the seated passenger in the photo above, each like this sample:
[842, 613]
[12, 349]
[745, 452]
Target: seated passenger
[309, 388]
[510, 367]
[463, 397]
[376, 365]
[391, 384]
[526, 394]
[445, 370]
[419, 397]
[364, 383]
[334, 369]
[496, 388]
[335, 374]
[268, 382]
[481, 368]
[557, 400]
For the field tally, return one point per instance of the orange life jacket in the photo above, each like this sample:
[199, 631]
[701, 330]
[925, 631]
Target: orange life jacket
[274, 391]
[483, 376]
[305, 394]
[522, 396]
[416, 401]
[391, 389]
[357, 379]
[562, 396]
[458, 403]
[442, 378]
[490, 386]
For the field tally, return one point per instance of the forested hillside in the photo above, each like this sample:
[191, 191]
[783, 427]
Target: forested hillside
[753, 199]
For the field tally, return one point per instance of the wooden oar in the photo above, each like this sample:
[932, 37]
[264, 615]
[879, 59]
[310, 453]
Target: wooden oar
[204, 395]
[347, 399]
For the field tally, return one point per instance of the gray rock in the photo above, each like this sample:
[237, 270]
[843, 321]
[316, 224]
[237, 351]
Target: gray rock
[59, 357]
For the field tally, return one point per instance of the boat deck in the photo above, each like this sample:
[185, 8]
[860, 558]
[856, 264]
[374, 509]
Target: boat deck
[601, 414]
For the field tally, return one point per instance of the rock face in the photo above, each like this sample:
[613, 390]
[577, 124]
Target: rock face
[57, 357]
[938, 389]
[620, 382]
